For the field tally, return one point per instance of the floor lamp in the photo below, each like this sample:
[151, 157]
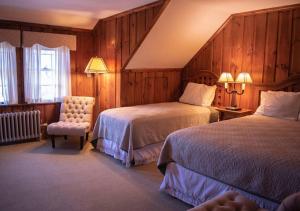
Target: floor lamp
[96, 66]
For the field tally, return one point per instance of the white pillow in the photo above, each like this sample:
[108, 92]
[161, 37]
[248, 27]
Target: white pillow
[280, 104]
[289, 93]
[198, 94]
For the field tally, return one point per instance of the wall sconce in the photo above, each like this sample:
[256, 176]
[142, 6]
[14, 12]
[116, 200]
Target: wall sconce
[96, 65]
[242, 78]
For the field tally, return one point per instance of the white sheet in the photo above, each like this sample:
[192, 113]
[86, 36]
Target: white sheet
[141, 156]
[132, 128]
[194, 188]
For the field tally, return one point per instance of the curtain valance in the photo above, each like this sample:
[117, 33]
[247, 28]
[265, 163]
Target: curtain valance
[13, 37]
[49, 40]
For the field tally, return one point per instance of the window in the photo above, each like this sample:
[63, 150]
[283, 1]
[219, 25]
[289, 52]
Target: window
[47, 73]
[8, 74]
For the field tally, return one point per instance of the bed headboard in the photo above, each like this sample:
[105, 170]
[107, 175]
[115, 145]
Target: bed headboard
[202, 77]
[205, 77]
[290, 85]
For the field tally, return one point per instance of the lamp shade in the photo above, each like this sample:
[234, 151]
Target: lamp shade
[244, 77]
[226, 78]
[96, 65]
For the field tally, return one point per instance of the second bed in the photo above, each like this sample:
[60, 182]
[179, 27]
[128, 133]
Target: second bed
[135, 134]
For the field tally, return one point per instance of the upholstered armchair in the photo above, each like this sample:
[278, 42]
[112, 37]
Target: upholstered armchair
[229, 201]
[74, 120]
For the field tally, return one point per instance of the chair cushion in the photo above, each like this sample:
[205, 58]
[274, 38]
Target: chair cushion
[77, 109]
[68, 128]
[229, 201]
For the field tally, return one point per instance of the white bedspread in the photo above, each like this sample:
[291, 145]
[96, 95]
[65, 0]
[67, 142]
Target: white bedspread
[257, 154]
[135, 127]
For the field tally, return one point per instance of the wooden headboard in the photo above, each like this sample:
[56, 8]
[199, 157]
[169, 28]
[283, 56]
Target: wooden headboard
[202, 77]
[290, 85]
[208, 78]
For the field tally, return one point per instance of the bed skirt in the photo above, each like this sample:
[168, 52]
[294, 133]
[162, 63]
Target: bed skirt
[145, 155]
[195, 189]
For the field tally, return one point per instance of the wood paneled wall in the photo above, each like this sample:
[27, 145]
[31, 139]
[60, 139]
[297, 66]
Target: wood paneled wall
[116, 39]
[81, 85]
[265, 43]
[150, 86]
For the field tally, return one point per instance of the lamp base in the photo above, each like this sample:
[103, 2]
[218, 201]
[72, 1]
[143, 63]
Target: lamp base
[233, 108]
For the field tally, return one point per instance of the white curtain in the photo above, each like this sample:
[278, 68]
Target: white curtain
[58, 78]
[8, 73]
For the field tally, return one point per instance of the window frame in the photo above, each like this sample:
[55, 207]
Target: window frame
[45, 70]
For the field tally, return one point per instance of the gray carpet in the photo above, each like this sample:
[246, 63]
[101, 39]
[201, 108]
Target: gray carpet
[33, 176]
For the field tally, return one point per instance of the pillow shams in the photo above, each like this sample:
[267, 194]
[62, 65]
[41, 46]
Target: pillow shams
[285, 105]
[198, 94]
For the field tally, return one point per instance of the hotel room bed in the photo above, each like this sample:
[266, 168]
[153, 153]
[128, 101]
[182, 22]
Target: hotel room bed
[256, 155]
[135, 134]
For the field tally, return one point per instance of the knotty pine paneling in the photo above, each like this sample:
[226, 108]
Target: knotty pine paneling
[283, 45]
[271, 47]
[295, 61]
[259, 43]
[264, 43]
[83, 86]
[116, 39]
[144, 86]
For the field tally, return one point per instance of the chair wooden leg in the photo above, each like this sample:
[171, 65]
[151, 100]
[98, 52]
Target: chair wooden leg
[65, 137]
[81, 142]
[87, 136]
[53, 141]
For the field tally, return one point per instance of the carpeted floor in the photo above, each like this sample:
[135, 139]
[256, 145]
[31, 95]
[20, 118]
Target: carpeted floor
[33, 176]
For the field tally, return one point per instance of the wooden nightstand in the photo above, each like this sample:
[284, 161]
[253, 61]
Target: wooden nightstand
[228, 114]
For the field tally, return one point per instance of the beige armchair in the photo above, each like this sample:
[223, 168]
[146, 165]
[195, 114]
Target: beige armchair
[229, 201]
[75, 119]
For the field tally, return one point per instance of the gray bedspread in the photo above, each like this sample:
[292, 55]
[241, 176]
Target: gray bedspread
[258, 154]
[138, 126]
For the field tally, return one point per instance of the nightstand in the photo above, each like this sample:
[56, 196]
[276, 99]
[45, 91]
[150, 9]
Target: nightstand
[228, 114]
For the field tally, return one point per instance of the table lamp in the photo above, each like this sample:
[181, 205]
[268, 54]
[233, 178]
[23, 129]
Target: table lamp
[242, 78]
[226, 78]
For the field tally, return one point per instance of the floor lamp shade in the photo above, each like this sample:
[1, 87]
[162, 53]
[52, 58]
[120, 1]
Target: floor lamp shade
[96, 65]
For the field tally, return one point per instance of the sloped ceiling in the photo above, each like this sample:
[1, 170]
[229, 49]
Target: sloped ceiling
[185, 26]
[71, 13]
